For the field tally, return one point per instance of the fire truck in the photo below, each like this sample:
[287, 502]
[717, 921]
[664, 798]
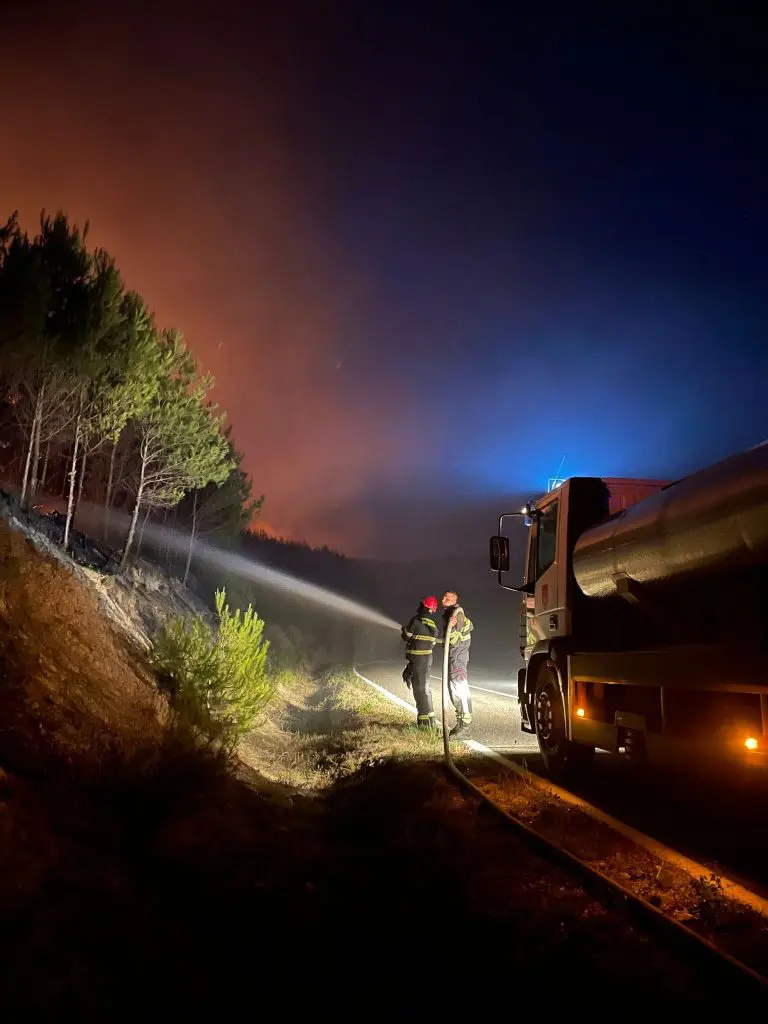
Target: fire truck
[644, 614]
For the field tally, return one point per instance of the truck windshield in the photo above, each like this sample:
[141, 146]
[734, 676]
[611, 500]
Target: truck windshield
[530, 569]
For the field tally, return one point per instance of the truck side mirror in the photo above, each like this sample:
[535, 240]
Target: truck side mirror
[499, 552]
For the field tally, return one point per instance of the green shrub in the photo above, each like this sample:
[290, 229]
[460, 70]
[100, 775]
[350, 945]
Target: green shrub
[219, 678]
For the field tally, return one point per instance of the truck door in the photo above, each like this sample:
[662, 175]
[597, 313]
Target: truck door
[528, 635]
[548, 609]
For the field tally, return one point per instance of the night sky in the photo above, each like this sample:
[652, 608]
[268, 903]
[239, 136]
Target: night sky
[427, 251]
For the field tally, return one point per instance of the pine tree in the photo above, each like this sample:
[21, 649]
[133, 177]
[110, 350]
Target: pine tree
[179, 442]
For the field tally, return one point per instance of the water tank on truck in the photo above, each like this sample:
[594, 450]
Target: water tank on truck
[714, 522]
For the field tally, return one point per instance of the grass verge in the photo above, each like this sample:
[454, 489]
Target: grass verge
[322, 729]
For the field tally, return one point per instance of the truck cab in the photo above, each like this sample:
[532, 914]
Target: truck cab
[555, 521]
[628, 631]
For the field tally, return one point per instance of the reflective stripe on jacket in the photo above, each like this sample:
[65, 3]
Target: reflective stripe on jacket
[460, 634]
[420, 635]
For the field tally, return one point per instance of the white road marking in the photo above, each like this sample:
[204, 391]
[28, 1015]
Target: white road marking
[496, 693]
[390, 696]
[480, 748]
[732, 889]
[438, 678]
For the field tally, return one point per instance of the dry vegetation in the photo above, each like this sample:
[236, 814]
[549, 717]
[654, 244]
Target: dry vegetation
[327, 728]
[141, 877]
[701, 903]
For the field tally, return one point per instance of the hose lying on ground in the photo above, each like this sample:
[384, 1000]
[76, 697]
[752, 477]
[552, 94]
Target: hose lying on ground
[679, 932]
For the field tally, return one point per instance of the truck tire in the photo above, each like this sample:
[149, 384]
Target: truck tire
[559, 754]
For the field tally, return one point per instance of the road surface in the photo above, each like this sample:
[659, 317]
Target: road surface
[495, 712]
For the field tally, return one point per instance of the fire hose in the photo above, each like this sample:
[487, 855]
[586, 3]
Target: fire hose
[596, 879]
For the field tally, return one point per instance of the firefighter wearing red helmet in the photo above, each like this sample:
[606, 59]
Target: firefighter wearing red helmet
[420, 636]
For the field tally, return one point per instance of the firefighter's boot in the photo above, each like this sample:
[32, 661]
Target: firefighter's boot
[461, 728]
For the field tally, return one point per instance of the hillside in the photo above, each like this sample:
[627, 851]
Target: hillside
[72, 685]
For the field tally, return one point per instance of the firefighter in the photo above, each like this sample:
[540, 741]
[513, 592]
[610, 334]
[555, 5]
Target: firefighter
[420, 636]
[458, 659]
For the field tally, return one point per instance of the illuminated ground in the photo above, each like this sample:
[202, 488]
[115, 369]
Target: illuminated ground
[494, 703]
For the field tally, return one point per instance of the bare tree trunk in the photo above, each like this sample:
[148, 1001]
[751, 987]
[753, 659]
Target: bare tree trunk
[134, 517]
[192, 538]
[44, 474]
[141, 532]
[35, 457]
[36, 431]
[110, 484]
[72, 479]
[27, 462]
[80, 482]
[31, 445]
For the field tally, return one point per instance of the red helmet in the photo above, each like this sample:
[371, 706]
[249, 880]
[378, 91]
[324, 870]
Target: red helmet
[430, 603]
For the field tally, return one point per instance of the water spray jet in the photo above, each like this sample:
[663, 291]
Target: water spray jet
[264, 575]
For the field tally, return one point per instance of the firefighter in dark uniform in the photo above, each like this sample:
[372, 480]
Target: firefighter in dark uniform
[420, 636]
[458, 660]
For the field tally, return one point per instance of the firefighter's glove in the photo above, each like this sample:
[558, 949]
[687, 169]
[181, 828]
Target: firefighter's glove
[407, 679]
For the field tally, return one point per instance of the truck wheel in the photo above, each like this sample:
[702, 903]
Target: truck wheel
[559, 754]
[635, 748]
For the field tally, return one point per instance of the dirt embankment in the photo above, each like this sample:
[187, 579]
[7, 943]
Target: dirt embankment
[71, 687]
[335, 872]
